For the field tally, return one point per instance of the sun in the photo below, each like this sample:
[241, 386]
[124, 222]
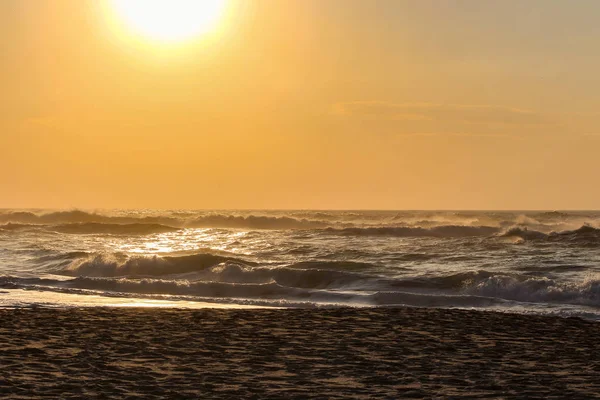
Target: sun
[169, 20]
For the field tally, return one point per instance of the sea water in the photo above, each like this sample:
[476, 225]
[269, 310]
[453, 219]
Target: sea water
[527, 262]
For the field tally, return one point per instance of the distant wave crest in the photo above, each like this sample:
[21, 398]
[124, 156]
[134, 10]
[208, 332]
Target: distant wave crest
[404, 224]
[78, 216]
[448, 231]
[254, 222]
[92, 221]
[125, 229]
[11, 226]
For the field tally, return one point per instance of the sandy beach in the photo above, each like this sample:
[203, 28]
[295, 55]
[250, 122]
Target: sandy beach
[291, 353]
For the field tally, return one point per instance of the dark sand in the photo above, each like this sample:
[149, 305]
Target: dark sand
[339, 353]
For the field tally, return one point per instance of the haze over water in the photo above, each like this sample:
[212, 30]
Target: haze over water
[541, 262]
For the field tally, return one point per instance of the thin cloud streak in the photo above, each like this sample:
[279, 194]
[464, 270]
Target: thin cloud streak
[463, 113]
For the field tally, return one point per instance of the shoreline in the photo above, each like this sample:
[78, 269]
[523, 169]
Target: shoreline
[295, 353]
[23, 298]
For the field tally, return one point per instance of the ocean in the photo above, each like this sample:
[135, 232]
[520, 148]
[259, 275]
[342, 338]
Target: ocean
[525, 262]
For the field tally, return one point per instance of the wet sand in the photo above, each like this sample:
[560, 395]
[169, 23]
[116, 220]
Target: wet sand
[336, 353]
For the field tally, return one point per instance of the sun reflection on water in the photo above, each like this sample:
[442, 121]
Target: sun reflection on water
[184, 241]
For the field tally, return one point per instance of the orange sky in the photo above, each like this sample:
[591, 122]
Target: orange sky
[383, 104]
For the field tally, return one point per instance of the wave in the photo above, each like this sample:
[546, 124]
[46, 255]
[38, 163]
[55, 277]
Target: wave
[444, 231]
[388, 298]
[123, 229]
[512, 287]
[254, 222]
[78, 216]
[203, 221]
[216, 268]
[554, 215]
[94, 227]
[403, 224]
[194, 290]
[487, 295]
[159, 286]
[114, 265]
[291, 276]
[586, 234]
[544, 269]
[335, 265]
[468, 289]
[183, 287]
[523, 233]
[455, 281]
[539, 289]
[198, 270]
[237, 292]
[275, 291]
[11, 226]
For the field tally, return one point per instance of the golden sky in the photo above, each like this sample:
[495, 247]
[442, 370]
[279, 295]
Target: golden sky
[353, 104]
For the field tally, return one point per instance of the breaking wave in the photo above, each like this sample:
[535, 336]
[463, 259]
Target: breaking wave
[210, 275]
[489, 291]
[523, 233]
[539, 289]
[512, 287]
[585, 235]
[310, 258]
[113, 265]
[449, 231]
[216, 268]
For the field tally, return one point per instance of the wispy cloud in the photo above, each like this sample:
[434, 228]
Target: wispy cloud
[434, 112]
[460, 134]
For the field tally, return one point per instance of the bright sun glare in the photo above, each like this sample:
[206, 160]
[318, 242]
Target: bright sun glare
[169, 20]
